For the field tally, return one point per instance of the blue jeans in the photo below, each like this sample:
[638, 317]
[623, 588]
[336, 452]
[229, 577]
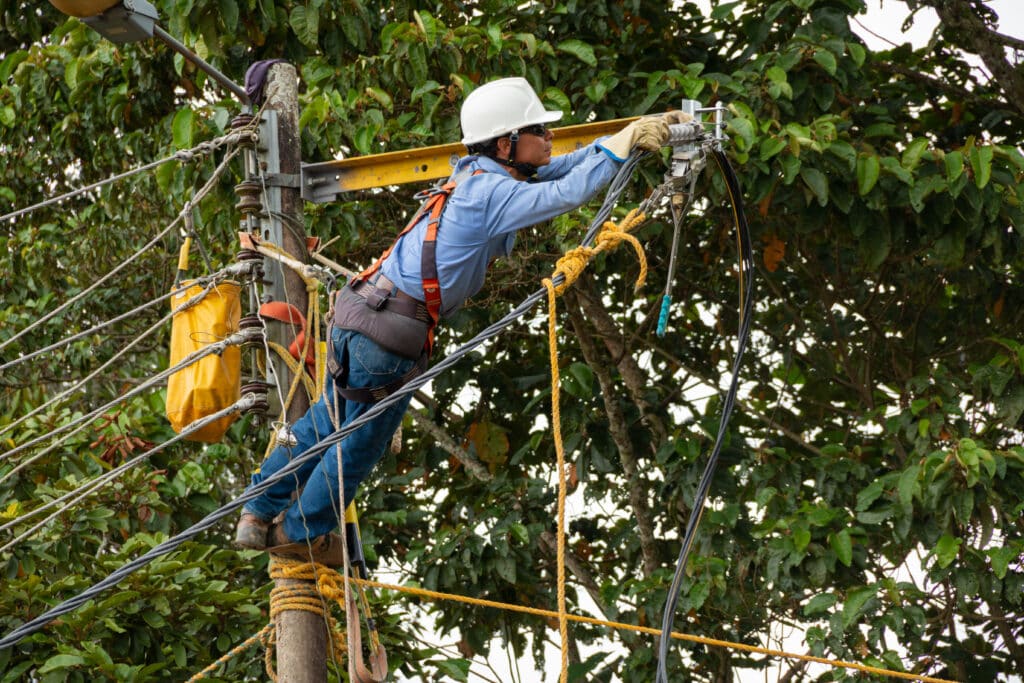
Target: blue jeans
[316, 511]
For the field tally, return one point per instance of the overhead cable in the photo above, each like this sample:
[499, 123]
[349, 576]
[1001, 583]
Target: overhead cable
[94, 329]
[204, 281]
[246, 402]
[80, 423]
[184, 156]
[115, 577]
[149, 245]
[746, 271]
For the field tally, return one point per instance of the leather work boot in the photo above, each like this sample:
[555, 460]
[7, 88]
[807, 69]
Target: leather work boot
[327, 549]
[251, 532]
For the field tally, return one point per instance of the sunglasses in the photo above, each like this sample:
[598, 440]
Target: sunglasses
[537, 129]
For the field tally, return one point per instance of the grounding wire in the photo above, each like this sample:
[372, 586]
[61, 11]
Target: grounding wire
[73, 300]
[256, 490]
[193, 357]
[747, 264]
[244, 403]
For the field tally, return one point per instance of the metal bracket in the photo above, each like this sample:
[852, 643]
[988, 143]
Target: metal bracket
[291, 180]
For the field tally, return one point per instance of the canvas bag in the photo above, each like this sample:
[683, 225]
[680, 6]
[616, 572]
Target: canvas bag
[213, 383]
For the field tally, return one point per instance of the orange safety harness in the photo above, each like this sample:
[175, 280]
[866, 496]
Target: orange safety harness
[377, 298]
[435, 200]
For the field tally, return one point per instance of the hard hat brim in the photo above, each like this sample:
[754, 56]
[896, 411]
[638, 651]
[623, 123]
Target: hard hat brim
[549, 116]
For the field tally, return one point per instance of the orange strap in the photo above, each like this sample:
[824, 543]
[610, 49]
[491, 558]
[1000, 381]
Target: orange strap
[286, 313]
[433, 205]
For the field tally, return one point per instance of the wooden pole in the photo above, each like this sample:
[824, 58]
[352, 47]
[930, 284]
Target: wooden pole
[301, 635]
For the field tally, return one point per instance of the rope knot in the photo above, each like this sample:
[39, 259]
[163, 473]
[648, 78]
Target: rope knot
[572, 263]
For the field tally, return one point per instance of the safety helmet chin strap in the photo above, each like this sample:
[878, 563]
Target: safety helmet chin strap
[528, 170]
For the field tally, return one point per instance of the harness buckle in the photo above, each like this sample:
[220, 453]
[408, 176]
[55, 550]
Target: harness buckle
[377, 298]
[426, 194]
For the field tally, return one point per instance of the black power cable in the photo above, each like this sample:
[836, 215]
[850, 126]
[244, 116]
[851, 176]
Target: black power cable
[615, 188]
[747, 271]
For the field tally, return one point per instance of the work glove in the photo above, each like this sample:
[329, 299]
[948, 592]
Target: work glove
[649, 133]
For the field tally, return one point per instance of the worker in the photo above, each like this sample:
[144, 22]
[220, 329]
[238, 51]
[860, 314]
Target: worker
[384, 319]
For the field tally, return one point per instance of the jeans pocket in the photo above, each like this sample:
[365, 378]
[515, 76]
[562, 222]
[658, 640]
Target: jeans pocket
[371, 359]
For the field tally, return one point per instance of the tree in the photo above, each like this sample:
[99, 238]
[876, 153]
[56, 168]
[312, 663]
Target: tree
[869, 494]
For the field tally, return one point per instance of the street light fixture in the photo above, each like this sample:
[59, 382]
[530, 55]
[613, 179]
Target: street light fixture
[128, 21]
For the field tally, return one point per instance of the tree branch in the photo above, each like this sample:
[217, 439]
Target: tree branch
[617, 427]
[962, 24]
[423, 422]
[635, 379]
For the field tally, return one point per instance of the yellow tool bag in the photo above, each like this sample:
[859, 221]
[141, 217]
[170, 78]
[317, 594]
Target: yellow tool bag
[214, 382]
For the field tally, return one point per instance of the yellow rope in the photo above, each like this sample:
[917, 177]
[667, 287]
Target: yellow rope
[571, 265]
[321, 582]
[264, 636]
[611, 235]
[297, 372]
[556, 428]
[548, 614]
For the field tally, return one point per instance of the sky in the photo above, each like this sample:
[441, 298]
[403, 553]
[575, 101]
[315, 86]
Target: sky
[879, 27]
[884, 19]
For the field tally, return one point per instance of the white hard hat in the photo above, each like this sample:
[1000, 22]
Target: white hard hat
[500, 107]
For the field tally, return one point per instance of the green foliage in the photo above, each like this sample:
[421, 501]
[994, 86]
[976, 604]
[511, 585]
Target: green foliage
[869, 493]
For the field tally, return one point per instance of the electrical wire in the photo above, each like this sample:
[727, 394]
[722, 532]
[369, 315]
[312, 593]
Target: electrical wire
[185, 155]
[221, 168]
[615, 188]
[246, 402]
[747, 271]
[194, 357]
[95, 328]
[116, 356]
[85, 380]
[191, 359]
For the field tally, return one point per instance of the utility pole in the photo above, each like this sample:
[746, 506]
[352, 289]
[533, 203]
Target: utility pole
[301, 635]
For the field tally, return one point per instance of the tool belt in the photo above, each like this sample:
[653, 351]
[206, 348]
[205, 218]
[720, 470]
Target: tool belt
[391, 318]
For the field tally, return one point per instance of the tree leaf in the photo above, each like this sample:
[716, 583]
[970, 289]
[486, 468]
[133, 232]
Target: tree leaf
[801, 538]
[1001, 558]
[842, 544]
[827, 60]
[64, 661]
[868, 169]
[912, 154]
[908, 484]
[855, 602]
[506, 567]
[582, 51]
[819, 603]
[770, 147]
[981, 164]
[945, 551]
[181, 128]
[954, 162]
[305, 22]
[817, 181]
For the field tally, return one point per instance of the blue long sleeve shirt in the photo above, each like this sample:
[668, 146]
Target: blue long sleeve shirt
[483, 214]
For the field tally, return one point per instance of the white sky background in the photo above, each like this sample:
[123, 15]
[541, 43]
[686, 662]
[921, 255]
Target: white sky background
[880, 27]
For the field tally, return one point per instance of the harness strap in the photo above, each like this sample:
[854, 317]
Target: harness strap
[286, 313]
[433, 206]
[339, 372]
